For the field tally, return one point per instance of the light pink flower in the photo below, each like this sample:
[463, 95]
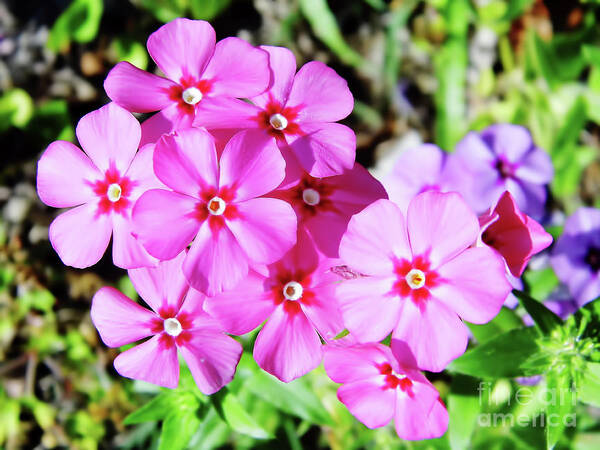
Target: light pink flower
[197, 72]
[215, 205]
[296, 295]
[299, 111]
[423, 276]
[325, 205]
[378, 387]
[516, 236]
[103, 183]
[176, 322]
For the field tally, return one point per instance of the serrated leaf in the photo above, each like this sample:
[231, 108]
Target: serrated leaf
[544, 319]
[516, 353]
[232, 412]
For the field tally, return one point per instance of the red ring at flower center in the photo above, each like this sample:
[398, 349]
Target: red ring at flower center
[415, 279]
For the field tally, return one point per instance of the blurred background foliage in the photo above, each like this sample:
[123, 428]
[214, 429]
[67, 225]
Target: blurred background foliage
[419, 70]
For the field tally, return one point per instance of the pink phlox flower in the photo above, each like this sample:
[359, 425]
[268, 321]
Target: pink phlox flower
[378, 385]
[175, 322]
[297, 298]
[215, 204]
[197, 71]
[423, 276]
[516, 236]
[299, 112]
[102, 185]
[325, 205]
[416, 170]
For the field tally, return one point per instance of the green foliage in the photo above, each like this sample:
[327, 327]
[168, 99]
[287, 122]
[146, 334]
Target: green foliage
[167, 10]
[16, 109]
[79, 23]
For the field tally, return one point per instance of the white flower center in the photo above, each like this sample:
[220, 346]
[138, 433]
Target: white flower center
[292, 290]
[278, 121]
[216, 206]
[311, 197]
[415, 278]
[191, 95]
[114, 192]
[172, 327]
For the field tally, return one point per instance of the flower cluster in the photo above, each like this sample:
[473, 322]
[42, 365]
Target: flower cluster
[240, 202]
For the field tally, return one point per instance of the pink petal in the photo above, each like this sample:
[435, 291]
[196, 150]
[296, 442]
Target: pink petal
[237, 69]
[182, 47]
[212, 359]
[162, 287]
[368, 402]
[251, 165]
[170, 119]
[110, 136]
[283, 68]
[154, 361]
[120, 320]
[80, 235]
[441, 226]
[222, 113]
[127, 251]
[64, 176]
[165, 222]
[137, 90]
[243, 308]
[186, 161]
[265, 229]
[323, 310]
[474, 284]
[287, 346]
[320, 94]
[141, 172]
[433, 332]
[192, 311]
[355, 363]
[355, 189]
[215, 262]
[326, 230]
[422, 416]
[324, 149]
[375, 238]
[370, 312]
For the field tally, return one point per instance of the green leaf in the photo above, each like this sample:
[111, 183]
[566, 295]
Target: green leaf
[79, 22]
[560, 404]
[506, 320]
[541, 283]
[572, 125]
[160, 406]
[16, 109]
[588, 387]
[544, 319]
[585, 325]
[178, 428]
[232, 412]
[325, 27]
[165, 10]
[295, 398]
[516, 353]
[208, 9]
[126, 49]
[464, 405]
[212, 433]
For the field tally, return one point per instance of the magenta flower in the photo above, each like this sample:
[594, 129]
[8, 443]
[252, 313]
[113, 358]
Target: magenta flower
[378, 387]
[296, 295]
[516, 236]
[416, 170]
[501, 158]
[176, 322]
[576, 256]
[325, 205]
[197, 72]
[423, 276]
[215, 205]
[103, 183]
[298, 111]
